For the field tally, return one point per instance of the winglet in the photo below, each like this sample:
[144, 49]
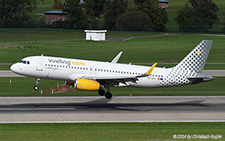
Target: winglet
[115, 60]
[151, 69]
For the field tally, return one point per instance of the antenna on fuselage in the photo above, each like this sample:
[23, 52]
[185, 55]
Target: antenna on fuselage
[42, 55]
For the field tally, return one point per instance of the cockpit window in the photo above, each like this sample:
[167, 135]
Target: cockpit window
[24, 62]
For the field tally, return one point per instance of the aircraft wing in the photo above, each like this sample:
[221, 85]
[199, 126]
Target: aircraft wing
[116, 80]
[112, 80]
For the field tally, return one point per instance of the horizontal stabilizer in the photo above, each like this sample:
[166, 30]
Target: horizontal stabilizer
[200, 78]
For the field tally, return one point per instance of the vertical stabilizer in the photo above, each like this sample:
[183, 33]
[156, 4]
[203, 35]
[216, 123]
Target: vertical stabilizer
[188, 71]
[195, 60]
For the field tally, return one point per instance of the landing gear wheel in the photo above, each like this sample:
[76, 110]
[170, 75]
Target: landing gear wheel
[36, 84]
[101, 92]
[36, 87]
[108, 95]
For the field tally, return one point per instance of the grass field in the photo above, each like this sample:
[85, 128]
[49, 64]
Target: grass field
[110, 131]
[71, 44]
[24, 87]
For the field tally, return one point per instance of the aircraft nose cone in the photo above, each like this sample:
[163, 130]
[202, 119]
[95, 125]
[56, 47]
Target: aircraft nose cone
[14, 68]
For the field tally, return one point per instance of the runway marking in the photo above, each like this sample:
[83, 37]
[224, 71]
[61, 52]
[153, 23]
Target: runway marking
[120, 109]
[156, 121]
[99, 97]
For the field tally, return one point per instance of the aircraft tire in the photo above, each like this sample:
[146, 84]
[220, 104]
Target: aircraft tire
[108, 95]
[101, 92]
[36, 87]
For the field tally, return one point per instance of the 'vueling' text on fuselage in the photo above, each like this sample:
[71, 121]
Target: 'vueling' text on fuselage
[71, 62]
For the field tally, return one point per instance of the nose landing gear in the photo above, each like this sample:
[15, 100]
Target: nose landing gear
[36, 84]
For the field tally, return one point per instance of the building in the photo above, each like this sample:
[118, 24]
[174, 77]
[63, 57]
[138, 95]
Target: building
[96, 35]
[163, 3]
[55, 15]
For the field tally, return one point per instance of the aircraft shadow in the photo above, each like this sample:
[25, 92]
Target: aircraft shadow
[103, 105]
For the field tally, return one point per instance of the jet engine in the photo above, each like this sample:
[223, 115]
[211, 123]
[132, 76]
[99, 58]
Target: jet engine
[85, 84]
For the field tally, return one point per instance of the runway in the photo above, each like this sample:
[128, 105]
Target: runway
[118, 109]
[8, 73]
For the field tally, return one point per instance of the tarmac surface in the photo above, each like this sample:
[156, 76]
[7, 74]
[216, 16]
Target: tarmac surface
[8, 73]
[118, 109]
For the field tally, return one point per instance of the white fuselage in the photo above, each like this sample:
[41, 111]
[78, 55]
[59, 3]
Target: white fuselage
[65, 69]
[96, 75]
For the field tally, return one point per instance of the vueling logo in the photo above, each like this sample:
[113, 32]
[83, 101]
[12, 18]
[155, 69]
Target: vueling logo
[71, 62]
[77, 63]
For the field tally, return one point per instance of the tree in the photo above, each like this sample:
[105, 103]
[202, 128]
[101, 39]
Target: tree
[113, 10]
[139, 2]
[224, 28]
[184, 18]
[197, 15]
[42, 1]
[134, 21]
[95, 6]
[157, 15]
[131, 5]
[57, 5]
[15, 13]
[75, 14]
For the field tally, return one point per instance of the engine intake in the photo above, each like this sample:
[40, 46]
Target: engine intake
[85, 84]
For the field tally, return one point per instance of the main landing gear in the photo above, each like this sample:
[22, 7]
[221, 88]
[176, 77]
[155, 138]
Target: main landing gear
[36, 84]
[108, 95]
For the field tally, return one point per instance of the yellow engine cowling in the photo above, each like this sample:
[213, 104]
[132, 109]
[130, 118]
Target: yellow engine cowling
[87, 85]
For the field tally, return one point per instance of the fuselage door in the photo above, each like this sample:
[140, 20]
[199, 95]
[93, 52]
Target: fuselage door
[39, 64]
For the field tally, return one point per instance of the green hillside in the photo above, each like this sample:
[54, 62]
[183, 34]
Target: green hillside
[174, 5]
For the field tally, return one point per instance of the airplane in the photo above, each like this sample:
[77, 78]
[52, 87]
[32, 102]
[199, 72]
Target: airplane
[97, 76]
